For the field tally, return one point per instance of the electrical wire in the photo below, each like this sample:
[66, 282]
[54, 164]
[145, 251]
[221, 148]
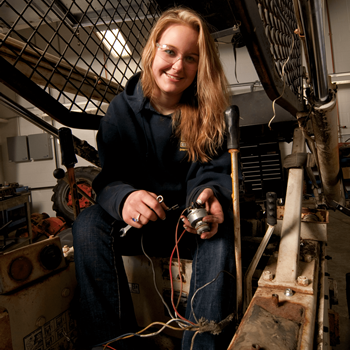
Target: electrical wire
[171, 279]
[284, 85]
[138, 334]
[182, 322]
[154, 279]
[192, 340]
[178, 262]
[205, 285]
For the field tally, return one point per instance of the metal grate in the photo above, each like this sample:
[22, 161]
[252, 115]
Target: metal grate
[279, 23]
[268, 28]
[65, 48]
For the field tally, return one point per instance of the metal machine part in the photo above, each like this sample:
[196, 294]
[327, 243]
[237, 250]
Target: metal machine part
[195, 216]
[24, 265]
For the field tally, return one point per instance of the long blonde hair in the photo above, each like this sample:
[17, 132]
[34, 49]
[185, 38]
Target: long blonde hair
[199, 120]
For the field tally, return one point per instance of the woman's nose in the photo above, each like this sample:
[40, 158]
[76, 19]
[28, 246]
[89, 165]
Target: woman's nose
[178, 64]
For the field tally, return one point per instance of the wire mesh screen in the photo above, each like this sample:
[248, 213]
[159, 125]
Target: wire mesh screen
[82, 52]
[267, 27]
[279, 22]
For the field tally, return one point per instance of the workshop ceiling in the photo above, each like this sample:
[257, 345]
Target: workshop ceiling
[218, 13]
[82, 11]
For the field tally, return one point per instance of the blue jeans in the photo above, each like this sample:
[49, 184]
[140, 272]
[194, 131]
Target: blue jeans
[105, 304]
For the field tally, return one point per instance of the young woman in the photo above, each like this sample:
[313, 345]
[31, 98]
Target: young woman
[163, 135]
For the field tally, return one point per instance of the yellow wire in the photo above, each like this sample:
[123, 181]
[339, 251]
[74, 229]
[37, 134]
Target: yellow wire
[144, 329]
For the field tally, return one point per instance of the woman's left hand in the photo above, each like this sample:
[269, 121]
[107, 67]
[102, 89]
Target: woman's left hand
[214, 209]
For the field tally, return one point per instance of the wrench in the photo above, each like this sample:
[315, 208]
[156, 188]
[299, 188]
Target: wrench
[160, 199]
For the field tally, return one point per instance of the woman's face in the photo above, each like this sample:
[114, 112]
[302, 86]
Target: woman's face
[175, 64]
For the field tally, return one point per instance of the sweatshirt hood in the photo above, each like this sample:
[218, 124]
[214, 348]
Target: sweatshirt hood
[134, 94]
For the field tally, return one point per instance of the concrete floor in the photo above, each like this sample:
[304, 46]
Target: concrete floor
[339, 249]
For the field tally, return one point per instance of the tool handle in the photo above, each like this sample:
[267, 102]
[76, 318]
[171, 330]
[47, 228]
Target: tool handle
[232, 124]
[67, 147]
[59, 173]
[271, 208]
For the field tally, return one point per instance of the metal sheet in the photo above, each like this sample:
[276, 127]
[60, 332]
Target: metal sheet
[313, 231]
[305, 302]
[256, 108]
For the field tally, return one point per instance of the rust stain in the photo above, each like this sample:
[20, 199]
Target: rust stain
[285, 309]
[308, 215]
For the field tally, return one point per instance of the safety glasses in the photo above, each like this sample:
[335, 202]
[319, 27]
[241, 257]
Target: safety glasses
[171, 55]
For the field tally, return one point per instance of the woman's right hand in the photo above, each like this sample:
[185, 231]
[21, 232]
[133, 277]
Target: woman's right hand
[144, 206]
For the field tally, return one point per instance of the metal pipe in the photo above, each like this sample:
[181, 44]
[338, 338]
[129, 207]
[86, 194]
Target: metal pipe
[232, 125]
[288, 255]
[324, 121]
[253, 265]
[313, 22]
[302, 37]
[237, 231]
[82, 148]
[17, 108]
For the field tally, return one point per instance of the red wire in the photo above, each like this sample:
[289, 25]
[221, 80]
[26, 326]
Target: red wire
[170, 273]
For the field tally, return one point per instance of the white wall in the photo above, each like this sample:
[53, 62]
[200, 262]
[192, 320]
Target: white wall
[245, 69]
[34, 174]
[339, 33]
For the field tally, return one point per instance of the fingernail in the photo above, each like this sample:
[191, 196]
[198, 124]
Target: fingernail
[183, 219]
[199, 201]
[163, 218]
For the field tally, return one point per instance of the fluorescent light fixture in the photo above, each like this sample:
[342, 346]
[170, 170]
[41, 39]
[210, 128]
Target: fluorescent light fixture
[114, 42]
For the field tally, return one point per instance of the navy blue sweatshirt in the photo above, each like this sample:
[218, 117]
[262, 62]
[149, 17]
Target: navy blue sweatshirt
[138, 151]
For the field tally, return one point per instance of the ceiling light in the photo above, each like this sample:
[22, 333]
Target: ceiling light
[114, 42]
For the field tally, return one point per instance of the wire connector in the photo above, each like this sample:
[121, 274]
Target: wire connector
[212, 327]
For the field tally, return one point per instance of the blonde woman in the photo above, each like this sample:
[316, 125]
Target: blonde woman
[163, 135]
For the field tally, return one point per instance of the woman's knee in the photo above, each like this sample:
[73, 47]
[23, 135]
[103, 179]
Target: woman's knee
[90, 223]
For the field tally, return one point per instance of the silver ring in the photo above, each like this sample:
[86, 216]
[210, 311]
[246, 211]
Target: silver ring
[137, 219]
[160, 199]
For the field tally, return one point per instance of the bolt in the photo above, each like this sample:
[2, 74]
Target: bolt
[267, 276]
[288, 292]
[303, 281]
[275, 299]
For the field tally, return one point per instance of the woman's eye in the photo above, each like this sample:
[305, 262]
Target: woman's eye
[169, 52]
[190, 59]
